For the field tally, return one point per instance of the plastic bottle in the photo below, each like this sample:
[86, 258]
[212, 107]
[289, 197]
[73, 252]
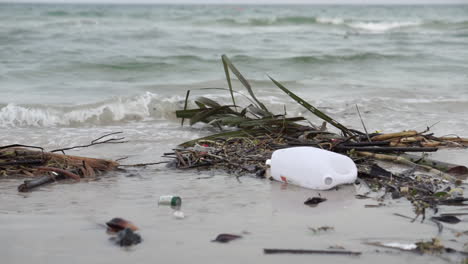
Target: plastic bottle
[312, 168]
[170, 200]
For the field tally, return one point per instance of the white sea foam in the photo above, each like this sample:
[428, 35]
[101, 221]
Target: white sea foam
[119, 109]
[378, 27]
[333, 21]
[403, 246]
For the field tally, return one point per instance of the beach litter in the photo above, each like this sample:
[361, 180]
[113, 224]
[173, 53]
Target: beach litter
[172, 200]
[225, 238]
[250, 134]
[450, 219]
[179, 214]
[314, 201]
[434, 246]
[123, 231]
[311, 167]
[118, 224]
[126, 238]
[321, 229]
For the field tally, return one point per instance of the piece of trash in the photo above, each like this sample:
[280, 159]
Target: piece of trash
[395, 245]
[127, 237]
[408, 246]
[374, 205]
[224, 238]
[314, 201]
[456, 192]
[117, 224]
[434, 246]
[312, 168]
[450, 219]
[179, 214]
[171, 200]
[404, 189]
[309, 251]
[336, 247]
[321, 229]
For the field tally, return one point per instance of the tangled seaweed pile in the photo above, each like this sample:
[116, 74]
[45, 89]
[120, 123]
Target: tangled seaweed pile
[47, 167]
[259, 132]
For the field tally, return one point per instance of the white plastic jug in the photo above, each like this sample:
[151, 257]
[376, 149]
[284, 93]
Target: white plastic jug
[312, 168]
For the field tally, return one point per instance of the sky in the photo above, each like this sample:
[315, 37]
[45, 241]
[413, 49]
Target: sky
[250, 1]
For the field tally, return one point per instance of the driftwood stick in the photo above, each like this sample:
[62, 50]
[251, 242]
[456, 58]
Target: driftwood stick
[22, 162]
[401, 160]
[363, 125]
[20, 145]
[440, 165]
[309, 251]
[106, 135]
[394, 135]
[144, 164]
[38, 181]
[64, 172]
[364, 144]
[387, 149]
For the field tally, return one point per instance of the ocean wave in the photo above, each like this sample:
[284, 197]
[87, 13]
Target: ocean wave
[352, 23]
[302, 20]
[117, 110]
[382, 26]
[63, 13]
[169, 63]
[291, 20]
[310, 59]
[58, 13]
[144, 63]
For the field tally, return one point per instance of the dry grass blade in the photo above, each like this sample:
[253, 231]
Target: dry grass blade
[185, 106]
[228, 64]
[207, 102]
[204, 116]
[312, 109]
[228, 78]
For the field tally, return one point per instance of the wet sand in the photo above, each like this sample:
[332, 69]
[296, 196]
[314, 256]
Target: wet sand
[62, 223]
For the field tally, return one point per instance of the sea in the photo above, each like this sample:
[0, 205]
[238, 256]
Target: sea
[71, 73]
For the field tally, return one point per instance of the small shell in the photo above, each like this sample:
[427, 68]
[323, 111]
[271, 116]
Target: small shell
[117, 224]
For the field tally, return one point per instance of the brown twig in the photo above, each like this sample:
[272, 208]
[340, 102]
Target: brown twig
[64, 172]
[96, 142]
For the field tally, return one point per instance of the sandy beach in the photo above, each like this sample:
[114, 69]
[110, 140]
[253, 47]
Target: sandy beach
[70, 73]
[64, 221]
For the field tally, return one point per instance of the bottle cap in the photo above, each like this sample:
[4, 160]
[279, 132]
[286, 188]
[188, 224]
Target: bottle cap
[176, 201]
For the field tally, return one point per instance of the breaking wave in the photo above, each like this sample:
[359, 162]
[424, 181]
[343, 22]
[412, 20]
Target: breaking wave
[365, 25]
[148, 106]
[381, 26]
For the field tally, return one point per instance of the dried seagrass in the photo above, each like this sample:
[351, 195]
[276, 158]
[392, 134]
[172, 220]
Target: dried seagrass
[45, 167]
